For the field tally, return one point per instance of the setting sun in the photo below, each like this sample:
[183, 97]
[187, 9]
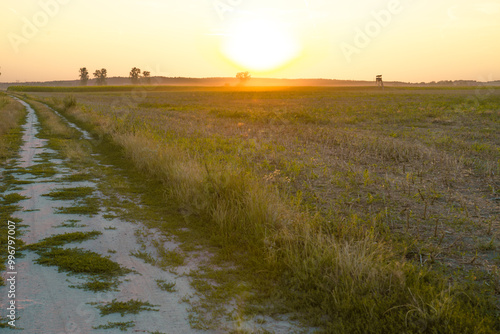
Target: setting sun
[260, 45]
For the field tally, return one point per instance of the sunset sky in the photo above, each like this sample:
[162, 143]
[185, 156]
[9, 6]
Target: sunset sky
[405, 40]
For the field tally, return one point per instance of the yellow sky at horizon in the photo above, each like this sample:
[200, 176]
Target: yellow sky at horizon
[405, 40]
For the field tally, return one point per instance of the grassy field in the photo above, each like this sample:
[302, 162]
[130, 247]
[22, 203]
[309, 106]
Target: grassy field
[362, 210]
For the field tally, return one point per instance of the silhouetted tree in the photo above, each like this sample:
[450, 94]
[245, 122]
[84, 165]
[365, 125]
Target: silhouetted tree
[101, 76]
[147, 77]
[84, 76]
[243, 77]
[134, 75]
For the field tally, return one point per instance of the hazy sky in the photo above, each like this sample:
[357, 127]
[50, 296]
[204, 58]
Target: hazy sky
[405, 40]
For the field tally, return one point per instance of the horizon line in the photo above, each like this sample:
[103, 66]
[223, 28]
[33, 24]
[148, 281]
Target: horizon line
[258, 78]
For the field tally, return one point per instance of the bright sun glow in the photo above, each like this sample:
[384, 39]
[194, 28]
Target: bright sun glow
[260, 45]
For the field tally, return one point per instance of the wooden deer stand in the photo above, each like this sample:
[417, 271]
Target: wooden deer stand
[379, 81]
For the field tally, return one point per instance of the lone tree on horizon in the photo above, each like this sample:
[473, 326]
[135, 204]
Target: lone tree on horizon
[84, 76]
[243, 77]
[135, 73]
[101, 76]
[147, 77]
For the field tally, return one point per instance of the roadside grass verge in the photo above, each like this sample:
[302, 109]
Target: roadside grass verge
[12, 114]
[334, 205]
[12, 117]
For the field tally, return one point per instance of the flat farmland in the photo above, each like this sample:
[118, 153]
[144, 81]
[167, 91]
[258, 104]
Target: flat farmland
[352, 209]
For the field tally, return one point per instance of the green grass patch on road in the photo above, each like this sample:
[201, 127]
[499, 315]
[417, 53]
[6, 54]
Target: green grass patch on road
[101, 272]
[80, 261]
[132, 306]
[87, 206]
[70, 193]
[62, 239]
[123, 326]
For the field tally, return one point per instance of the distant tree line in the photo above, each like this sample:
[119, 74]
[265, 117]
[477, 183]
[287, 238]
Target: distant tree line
[452, 83]
[136, 78]
[102, 74]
